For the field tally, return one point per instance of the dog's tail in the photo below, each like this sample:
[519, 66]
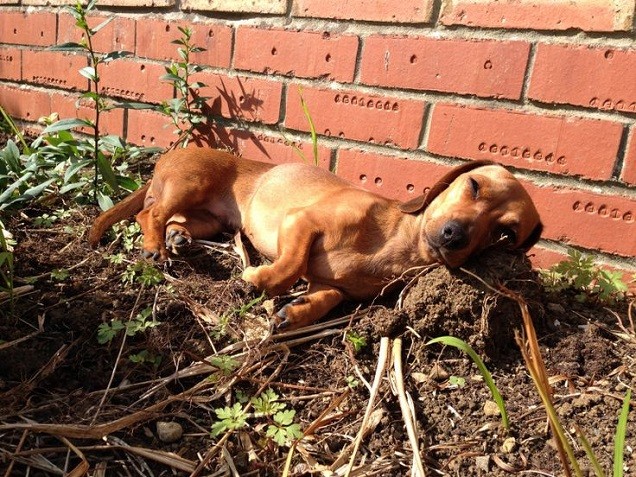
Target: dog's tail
[124, 209]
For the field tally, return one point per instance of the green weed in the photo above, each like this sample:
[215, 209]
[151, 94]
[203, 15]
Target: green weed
[281, 427]
[106, 332]
[580, 273]
[186, 111]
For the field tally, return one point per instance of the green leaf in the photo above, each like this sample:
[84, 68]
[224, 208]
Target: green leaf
[104, 201]
[89, 72]
[75, 168]
[285, 418]
[67, 124]
[106, 169]
[619, 438]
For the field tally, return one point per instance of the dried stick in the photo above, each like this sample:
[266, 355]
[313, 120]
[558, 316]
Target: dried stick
[409, 418]
[379, 371]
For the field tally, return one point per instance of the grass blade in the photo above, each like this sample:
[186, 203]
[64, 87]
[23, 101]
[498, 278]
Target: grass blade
[619, 439]
[598, 470]
[465, 347]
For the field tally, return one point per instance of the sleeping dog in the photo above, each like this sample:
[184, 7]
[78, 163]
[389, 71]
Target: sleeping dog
[346, 242]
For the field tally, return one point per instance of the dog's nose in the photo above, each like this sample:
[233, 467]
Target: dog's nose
[453, 236]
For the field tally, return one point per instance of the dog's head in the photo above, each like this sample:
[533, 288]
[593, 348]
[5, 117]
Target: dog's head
[475, 206]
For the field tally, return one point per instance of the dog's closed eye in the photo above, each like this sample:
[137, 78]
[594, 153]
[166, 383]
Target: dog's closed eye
[474, 187]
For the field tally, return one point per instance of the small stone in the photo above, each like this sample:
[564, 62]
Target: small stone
[169, 431]
[509, 445]
[419, 377]
[482, 462]
[491, 408]
[438, 373]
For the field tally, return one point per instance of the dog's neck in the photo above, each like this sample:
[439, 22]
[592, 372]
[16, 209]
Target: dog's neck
[405, 246]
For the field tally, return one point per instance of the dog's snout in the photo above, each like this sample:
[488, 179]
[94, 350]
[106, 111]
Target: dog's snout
[453, 236]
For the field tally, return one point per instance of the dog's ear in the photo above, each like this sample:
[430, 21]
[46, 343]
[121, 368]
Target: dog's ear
[420, 203]
[532, 238]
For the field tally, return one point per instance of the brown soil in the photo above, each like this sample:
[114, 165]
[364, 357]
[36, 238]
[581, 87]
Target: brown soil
[60, 375]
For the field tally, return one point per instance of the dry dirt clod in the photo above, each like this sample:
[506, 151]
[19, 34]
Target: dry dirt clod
[169, 432]
[491, 408]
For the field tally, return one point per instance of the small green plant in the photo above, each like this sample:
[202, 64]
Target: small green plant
[186, 110]
[106, 332]
[580, 273]
[47, 220]
[225, 364]
[281, 427]
[229, 418]
[356, 340]
[239, 312]
[457, 381]
[143, 273]
[466, 348]
[60, 274]
[352, 382]
[145, 357]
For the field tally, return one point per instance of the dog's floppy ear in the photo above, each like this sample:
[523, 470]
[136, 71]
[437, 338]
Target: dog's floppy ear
[532, 238]
[420, 203]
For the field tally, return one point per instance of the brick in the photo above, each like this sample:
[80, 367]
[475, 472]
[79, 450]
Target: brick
[248, 99]
[53, 68]
[558, 144]
[273, 148]
[628, 173]
[594, 221]
[118, 35]
[393, 11]
[10, 63]
[270, 7]
[595, 15]
[32, 28]
[150, 129]
[599, 78]
[135, 81]
[297, 53]
[479, 67]
[71, 106]
[154, 37]
[353, 115]
[132, 4]
[395, 178]
[543, 258]
[25, 103]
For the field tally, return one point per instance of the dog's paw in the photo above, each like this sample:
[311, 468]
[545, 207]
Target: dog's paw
[288, 317]
[176, 238]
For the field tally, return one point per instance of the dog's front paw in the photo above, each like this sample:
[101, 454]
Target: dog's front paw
[251, 275]
[176, 238]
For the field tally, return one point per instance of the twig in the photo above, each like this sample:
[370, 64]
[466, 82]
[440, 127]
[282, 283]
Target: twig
[119, 353]
[409, 418]
[379, 371]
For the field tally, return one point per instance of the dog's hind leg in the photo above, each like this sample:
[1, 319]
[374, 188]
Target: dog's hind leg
[308, 308]
[296, 235]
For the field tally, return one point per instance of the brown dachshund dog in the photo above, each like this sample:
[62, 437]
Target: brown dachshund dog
[346, 242]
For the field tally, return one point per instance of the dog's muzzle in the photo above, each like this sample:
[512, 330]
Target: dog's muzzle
[451, 236]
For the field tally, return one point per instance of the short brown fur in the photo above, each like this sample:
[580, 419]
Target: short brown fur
[346, 242]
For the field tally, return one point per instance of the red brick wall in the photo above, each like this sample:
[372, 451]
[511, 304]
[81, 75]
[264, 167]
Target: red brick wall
[399, 91]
